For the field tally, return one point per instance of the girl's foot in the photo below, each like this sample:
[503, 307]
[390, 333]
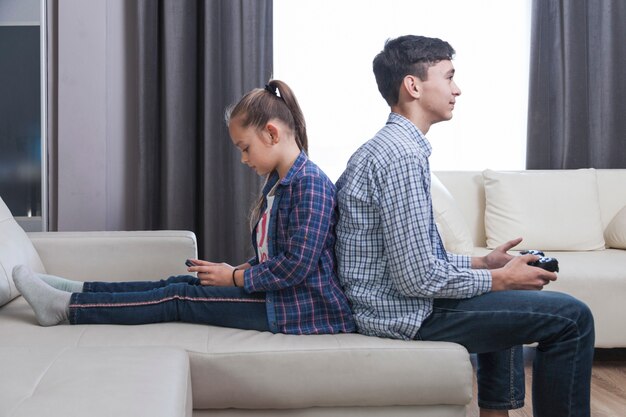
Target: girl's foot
[51, 306]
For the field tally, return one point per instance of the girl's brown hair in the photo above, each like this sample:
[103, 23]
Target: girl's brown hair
[259, 106]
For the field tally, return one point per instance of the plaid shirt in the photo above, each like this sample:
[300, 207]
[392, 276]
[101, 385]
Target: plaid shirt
[303, 294]
[390, 256]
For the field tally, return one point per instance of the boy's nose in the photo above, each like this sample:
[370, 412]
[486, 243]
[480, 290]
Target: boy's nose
[456, 90]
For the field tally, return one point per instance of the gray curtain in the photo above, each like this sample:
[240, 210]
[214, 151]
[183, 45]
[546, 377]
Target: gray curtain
[577, 97]
[194, 59]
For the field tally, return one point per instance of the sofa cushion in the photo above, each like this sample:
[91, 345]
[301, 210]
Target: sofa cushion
[261, 370]
[452, 227]
[615, 232]
[96, 382]
[15, 248]
[551, 210]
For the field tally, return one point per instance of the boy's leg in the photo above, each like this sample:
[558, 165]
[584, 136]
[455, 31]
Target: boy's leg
[501, 375]
[220, 306]
[499, 321]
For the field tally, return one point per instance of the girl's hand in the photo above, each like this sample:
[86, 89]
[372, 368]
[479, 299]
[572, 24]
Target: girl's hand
[215, 274]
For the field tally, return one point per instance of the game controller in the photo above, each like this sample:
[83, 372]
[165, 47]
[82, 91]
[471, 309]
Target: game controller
[549, 264]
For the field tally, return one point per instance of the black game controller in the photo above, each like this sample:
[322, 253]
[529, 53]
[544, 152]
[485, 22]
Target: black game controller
[549, 264]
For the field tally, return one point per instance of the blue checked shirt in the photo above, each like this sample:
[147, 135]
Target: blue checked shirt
[303, 294]
[391, 260]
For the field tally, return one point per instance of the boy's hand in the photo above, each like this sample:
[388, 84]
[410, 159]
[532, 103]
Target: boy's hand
[496, 258]
[518, 275]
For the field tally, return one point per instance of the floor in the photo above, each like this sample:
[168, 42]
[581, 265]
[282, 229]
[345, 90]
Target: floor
[608, 385]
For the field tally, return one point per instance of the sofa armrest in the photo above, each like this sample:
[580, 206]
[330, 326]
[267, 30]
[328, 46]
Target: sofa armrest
[115, 256]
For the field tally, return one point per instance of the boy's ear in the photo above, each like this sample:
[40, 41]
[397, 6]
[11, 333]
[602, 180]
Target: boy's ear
[273, 131]
[412, 86]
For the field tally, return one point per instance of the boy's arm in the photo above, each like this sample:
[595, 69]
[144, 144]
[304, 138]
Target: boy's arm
[406, 220]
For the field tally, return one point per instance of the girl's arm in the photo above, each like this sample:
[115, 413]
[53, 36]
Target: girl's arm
[310, 219]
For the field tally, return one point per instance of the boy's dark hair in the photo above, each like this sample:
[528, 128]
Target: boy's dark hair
[407, 55]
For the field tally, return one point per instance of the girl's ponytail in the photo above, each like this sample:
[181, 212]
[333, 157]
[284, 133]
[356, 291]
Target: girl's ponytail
[288, 97]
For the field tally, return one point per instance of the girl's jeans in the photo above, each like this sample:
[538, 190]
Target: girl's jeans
[495, 326]
[178, 298]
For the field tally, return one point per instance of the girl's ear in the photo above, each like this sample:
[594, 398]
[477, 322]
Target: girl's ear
[273, 131]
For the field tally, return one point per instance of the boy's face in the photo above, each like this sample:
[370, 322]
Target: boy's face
[439, 92]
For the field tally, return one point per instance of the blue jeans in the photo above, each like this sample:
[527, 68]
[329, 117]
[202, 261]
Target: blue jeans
[496, 325]
[178, 298]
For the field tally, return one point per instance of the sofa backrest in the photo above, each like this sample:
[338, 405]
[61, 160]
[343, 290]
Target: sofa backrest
[467, 188]
[15, 248]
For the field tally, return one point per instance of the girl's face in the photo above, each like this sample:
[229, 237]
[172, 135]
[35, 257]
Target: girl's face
[256, 146]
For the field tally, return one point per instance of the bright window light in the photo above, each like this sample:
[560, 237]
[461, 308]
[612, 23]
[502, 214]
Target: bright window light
[324, 50]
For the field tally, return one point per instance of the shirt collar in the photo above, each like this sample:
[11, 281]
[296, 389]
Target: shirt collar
[297, 166]
[412, 131]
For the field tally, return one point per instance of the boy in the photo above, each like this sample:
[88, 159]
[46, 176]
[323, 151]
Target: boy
[403, 284]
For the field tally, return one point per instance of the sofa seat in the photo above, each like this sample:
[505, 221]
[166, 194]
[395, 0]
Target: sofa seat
[98, 382]
[232, 368]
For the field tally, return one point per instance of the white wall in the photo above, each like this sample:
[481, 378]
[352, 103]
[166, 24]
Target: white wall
[91, 114]
[324, 50]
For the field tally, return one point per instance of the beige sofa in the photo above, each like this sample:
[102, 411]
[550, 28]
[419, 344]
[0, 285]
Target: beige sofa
[179, 369]
[576, 216]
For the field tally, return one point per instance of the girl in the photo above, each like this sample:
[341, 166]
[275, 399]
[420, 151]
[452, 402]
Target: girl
[290, 286]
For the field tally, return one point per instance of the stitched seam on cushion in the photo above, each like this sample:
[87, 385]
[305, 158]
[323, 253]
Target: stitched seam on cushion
[38, 382]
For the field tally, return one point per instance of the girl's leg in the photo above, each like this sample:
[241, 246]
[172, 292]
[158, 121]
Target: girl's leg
[62, 284]
[219, 306]
[138, 286]
[69, 285]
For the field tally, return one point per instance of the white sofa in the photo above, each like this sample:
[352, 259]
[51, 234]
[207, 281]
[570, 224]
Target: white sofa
[180, 369]
[575, 216]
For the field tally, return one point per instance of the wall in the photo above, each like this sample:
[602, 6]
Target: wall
[94, 120]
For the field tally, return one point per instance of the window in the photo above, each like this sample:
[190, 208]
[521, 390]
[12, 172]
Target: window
[21, 111]
[324, 50]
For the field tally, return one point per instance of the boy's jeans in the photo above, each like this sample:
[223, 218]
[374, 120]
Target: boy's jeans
[495, 326]
[178, 298]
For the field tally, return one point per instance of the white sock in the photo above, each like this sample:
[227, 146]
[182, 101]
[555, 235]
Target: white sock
[62, 284]
[51, 306]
